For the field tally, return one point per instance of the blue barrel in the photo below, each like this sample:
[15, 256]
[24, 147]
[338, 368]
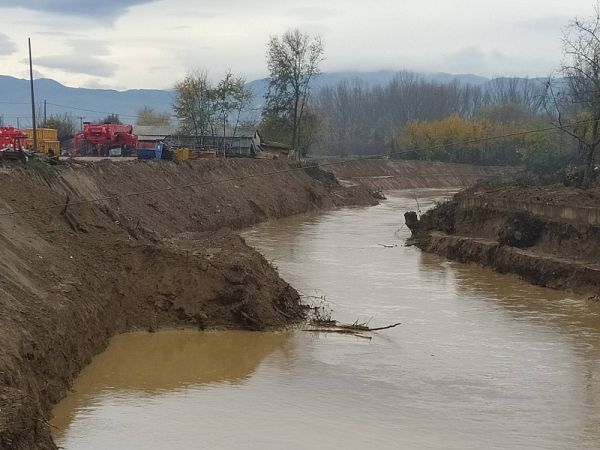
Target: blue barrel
[146, 153]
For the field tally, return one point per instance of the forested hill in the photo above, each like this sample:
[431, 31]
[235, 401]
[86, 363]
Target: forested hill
[92, 104]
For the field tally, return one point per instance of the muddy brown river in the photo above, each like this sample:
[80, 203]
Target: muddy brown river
[481, 361]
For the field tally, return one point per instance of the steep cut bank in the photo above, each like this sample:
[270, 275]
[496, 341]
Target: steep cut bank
[549, 236]
[389, 174]
[74, 274]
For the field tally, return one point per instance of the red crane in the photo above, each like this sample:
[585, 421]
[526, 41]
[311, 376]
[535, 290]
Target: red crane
[106, 136]
[12, 143]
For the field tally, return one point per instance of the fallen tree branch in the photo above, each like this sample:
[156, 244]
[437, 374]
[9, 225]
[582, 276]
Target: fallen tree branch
[335, 327]
[339, 331]
[385, 328]
[361, 327]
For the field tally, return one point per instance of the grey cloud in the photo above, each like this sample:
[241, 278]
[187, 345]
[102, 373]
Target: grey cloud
[7, 47]
[78, 63]
[98, 84]
[62, 34]
[314, 29]
[473, 58]
[314, 12]
[37, 74]
[89, 46]
[551, 23]
[85, 8]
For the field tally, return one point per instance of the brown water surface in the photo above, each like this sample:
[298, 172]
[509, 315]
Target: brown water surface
[482, 360]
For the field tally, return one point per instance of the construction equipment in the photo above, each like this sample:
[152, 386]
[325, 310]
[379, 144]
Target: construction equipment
[12, 144]
[105, 137]
[47, 140]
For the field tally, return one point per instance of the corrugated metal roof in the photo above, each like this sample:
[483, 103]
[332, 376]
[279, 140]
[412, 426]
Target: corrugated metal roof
[151, 133]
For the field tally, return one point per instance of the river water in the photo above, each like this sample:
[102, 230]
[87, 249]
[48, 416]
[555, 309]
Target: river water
[481, 360]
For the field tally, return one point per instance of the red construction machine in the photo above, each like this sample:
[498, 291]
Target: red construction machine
[100, 139]
[12, 144]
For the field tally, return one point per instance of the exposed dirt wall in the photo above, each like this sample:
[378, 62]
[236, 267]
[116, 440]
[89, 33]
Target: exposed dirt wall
[389, 174]
[519, 230]
[70, 278]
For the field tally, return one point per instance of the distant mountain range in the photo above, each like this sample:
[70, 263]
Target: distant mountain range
[94, 104]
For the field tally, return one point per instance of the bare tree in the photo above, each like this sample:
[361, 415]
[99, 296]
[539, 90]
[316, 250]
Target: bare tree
[112, 118]
[293, 61]
[577, 97]
[150, 117]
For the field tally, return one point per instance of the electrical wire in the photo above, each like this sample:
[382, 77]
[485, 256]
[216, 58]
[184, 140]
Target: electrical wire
[90, 110]
[292, 169]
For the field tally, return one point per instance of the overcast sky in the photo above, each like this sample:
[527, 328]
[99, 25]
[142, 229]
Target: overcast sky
[150, 44]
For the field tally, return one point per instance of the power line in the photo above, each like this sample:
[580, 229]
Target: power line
[292, 169]
[76, 108]
[91, 110]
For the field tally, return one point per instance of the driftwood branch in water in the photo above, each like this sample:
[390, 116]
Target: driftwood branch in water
[337, 330]
[385, 328]
[334, 327]
[362, 327]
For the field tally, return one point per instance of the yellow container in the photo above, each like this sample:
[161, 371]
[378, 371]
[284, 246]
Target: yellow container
[52, 145]
[182, 154]
[45, 146]
[43, 134]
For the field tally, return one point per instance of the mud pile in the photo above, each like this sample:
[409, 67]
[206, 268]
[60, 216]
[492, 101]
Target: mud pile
[549, 236]
[74, 274]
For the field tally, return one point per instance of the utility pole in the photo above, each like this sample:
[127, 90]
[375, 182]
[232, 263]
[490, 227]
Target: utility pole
[45, 115]
[19, 122]
[32, 99]
[81, 123]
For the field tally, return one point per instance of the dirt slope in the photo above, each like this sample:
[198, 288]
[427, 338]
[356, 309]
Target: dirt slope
[396, 174]
[549, 236]
[72, 278]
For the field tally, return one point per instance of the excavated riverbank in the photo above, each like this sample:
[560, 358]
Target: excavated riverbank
[388, 174]
[90, 250]
[74, 274]
[549, 236]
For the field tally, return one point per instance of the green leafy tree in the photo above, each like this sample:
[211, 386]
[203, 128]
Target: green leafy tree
[293, 60]
[546, 152]
[64, 124]
[194, 104]
[232, 97]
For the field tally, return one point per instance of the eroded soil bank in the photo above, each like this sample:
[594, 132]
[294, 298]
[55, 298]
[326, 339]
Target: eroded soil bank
[549, 236]
[73, 274]
[389, 174]
[73, 277]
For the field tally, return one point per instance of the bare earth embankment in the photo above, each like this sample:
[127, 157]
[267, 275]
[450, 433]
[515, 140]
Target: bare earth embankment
[387, 174]
[74, 275]
[549, 236]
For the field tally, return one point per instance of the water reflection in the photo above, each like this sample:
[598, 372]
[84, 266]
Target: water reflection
[482, 360]
[146, 364]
